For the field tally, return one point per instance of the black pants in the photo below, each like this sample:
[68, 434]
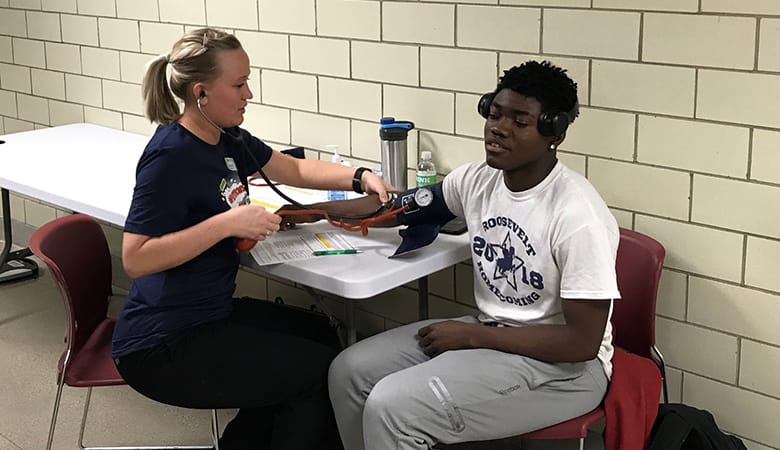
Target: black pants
[268, 360]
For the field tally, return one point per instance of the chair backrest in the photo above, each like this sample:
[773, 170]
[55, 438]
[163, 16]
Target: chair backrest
[76, 252]
[638, 265]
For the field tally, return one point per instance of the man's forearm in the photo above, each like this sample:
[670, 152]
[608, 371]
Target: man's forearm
[350, 211]
[551, 343]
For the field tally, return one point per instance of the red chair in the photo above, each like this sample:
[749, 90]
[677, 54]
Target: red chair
[639, 262]
[76, 252]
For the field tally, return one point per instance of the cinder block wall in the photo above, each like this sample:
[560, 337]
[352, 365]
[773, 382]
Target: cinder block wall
[680, 132]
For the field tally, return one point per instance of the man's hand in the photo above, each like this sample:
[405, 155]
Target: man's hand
[439, 337]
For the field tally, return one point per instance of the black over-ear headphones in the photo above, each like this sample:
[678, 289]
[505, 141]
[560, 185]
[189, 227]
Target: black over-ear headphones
[550, 123]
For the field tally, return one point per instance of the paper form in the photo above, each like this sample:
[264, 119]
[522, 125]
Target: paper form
[298, 244]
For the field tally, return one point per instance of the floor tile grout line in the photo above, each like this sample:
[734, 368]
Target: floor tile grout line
[9, 440]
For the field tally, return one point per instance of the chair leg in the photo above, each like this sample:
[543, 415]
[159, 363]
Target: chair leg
[54, 413]
[662, 366]
[84, 418]
[214, 431]
[215, 428]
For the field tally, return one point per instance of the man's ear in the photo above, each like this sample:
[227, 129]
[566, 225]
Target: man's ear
[554, 142]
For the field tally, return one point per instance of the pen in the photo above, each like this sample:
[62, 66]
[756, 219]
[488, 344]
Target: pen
[335, 252]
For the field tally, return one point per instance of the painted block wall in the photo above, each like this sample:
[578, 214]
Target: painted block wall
[679, 131]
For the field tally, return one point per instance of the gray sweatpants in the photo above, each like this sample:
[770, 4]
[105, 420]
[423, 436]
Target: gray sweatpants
[388, 395]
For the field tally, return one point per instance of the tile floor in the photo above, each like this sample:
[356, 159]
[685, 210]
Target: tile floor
[32, 323]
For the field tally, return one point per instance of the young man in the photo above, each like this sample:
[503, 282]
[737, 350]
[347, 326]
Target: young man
[543, 248]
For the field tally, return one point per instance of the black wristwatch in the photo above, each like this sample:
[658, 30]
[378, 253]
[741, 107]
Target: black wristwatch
[356, 185]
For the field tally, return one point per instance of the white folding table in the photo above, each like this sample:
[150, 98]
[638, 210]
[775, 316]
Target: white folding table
[82, 167]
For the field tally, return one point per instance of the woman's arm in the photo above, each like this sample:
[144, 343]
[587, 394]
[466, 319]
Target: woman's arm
[316, 174]
[143, 255]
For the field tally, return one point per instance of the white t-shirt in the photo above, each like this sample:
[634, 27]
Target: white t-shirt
[532, 248]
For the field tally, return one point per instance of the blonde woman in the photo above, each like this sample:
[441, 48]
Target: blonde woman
[182, 338]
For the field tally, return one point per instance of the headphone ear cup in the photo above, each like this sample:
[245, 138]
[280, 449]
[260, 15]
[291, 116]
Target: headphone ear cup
[560, 123]
[483, 106]
[552, 124]
[545, 124]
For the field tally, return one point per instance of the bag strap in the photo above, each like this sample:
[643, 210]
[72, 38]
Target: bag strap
[671, 432]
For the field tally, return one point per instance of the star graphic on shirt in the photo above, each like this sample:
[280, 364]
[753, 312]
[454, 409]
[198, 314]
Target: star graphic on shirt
[507, 262]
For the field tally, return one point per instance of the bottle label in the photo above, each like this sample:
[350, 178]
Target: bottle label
[337, 195]
[425, 180]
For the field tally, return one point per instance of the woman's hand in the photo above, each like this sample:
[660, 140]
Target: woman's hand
[373, 184]
[253, 222]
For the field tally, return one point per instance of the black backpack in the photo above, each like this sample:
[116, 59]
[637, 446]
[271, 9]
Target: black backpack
[684, 427]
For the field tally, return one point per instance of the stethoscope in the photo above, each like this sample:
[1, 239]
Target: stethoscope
[422, 197]
[237, 138]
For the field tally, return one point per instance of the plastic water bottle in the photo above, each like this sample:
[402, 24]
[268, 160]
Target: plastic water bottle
[426, 171]
[336, 158]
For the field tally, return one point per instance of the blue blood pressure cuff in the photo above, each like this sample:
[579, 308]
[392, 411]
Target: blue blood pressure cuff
[425, 205]
[426, 213]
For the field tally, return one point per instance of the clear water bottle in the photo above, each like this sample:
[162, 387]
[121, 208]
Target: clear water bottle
[426, 171]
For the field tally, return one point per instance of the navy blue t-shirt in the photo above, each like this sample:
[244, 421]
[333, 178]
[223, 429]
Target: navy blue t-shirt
[181, 181]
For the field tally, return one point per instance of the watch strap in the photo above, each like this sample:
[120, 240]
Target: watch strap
[356, 184]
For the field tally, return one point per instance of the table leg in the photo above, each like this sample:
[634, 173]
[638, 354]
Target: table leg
[14, 266]
[349, 307]
[422, 298]
[349, 321]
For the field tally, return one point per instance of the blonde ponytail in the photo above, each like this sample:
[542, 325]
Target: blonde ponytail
[159, 104]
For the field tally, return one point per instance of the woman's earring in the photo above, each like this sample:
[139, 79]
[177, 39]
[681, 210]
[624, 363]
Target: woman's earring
[552, 147]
